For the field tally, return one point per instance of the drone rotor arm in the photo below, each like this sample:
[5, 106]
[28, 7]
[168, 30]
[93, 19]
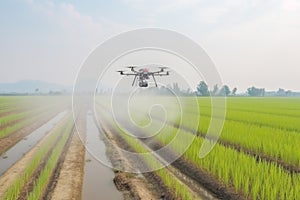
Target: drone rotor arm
[166, 73]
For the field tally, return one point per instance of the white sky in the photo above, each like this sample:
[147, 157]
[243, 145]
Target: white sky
[252, 42]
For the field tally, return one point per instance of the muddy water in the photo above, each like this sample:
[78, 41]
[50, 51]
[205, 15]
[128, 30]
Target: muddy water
[98, 179]
[16, 152]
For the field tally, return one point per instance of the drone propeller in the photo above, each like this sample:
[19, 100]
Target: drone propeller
[131, 67]
[162, 68]
[121, 71]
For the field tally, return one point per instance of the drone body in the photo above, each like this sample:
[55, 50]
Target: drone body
[143, 75]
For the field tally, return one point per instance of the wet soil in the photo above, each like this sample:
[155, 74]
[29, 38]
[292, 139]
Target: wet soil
[98, 176]
[134, 186]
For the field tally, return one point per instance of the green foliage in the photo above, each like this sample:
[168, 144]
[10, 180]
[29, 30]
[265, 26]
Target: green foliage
[225, 91]
[265, 125]
[202, 89]
[253, 91]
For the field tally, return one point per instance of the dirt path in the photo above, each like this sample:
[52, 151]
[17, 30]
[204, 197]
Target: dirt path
[70, 179]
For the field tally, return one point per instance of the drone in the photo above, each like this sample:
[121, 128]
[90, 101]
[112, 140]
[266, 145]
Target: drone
[142, 75]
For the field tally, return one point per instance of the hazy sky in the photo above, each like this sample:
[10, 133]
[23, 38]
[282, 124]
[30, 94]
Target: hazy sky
[252, 42]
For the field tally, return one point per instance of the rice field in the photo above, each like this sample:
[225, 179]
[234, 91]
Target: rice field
[257, 155]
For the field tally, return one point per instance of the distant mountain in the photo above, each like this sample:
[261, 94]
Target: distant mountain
[33, 87]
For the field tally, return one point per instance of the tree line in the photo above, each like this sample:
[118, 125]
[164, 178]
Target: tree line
[202, 89]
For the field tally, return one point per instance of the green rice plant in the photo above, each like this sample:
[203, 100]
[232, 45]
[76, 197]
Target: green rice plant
[15, 189]
[270, 141]
[180, 190]
[262, 180]
[29, 118]
[242, 170]
[281, 113]
[267, 133]
[18, 184]
[44, 177]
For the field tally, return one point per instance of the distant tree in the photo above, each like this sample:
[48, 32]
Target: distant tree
[225, 90]
[36, 90]
[281, 92]
[234, 91]
[176, 88]
[202, 89]
[215, 90]
[253, 91]
[289, 93]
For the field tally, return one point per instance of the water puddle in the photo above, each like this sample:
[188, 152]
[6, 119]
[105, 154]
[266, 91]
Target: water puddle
[98, 178]
[17, 151]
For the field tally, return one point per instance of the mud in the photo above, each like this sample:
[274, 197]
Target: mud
[134, 186]
[98, 178]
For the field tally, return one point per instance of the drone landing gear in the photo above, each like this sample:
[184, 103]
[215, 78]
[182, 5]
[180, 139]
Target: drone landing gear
[154, 80]
[134, 80]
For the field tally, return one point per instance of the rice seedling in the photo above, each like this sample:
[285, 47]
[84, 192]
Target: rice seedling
[18, 184]
[44, 177]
